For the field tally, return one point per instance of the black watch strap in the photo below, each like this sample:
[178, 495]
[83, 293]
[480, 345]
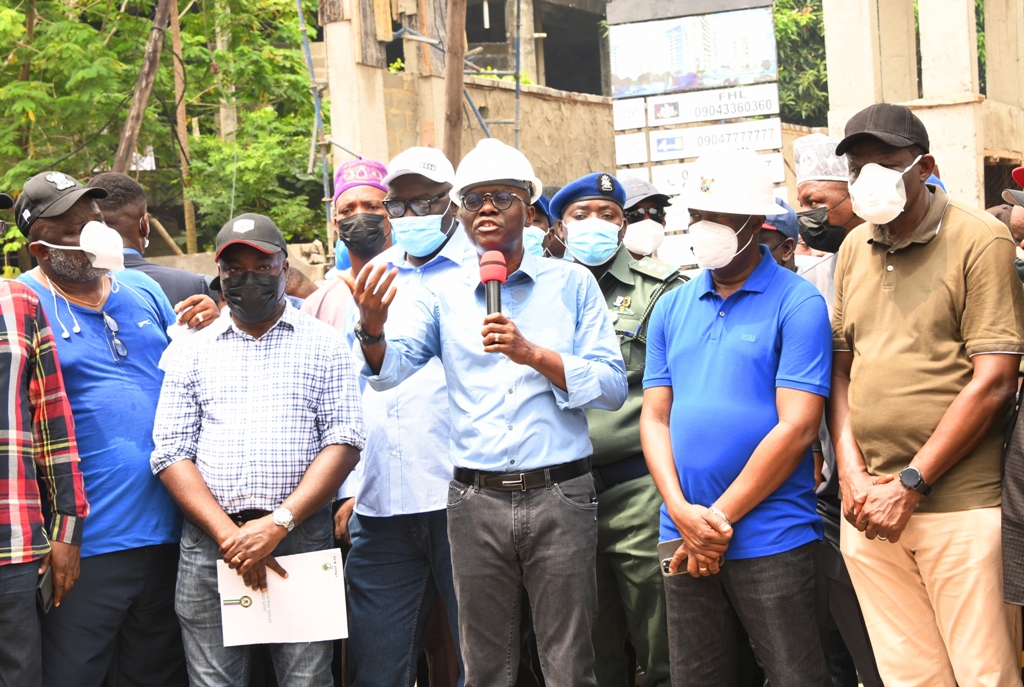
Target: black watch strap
[364, 338]
[911, 478]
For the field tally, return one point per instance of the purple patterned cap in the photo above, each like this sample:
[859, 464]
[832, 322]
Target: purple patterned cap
[359, 173]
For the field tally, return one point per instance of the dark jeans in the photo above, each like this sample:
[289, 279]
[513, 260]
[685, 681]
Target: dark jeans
[544, 539]
[397, 570]
[117, 626]
[772, 597]
[21, 661]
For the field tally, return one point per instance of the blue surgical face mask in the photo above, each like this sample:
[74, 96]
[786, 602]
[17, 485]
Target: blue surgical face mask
[419, 236]
[592, 241]
[533, 240]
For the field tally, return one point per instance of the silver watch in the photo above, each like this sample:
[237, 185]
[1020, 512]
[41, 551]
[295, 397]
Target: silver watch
[283, 517]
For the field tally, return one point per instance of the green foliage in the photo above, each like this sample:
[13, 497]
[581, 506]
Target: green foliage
[83, 62]
[524, 78]
[396, 66]
[803, 80]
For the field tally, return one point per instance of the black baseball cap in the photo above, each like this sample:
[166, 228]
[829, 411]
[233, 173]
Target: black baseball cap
[6, 202]
[892, 124]
[50, 194]
[258, 231]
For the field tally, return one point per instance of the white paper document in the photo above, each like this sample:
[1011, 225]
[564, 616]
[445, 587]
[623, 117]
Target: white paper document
[307, 606]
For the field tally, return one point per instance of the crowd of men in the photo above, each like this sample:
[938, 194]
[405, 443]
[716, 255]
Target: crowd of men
[622, 472]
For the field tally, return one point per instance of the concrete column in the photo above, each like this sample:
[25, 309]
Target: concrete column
[528, 51]
[870, 51]
[957, 136]
[1004, 51]
[357, 96]
[949, 48]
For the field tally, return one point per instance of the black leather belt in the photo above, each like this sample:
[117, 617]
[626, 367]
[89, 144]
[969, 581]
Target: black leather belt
[244, 516]
[614, 474]
[521, 481]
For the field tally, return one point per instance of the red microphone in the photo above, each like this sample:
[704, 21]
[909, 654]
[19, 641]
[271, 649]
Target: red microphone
[492, 274]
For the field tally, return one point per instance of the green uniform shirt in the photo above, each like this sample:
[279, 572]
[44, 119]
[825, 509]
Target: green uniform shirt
[630, 288]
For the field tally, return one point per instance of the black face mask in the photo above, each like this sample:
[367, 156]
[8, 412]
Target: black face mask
[363, 233]
[817, 233]
[253, 296]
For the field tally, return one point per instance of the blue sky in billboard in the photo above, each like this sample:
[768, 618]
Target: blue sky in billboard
[693, 53]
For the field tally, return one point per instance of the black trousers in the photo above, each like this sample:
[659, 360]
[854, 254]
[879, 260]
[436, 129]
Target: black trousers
[117, 627]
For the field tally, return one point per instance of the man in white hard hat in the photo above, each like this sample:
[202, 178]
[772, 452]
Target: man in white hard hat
[738, 369]
[522, 506]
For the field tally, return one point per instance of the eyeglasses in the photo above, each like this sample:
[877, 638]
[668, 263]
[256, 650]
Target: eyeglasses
[119, 350]
[502, 200]
[419, 206]
[657, 214]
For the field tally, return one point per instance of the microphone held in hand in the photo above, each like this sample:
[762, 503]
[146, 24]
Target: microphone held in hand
[492, 275]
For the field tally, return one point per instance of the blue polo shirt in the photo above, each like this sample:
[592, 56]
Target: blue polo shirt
[114, 405]
[724, 360]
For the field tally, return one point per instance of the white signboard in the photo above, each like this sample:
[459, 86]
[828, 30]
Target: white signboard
[670, 178]
[629, 114]
[677, 144]
[701, 106]
[630, 149]
[633, 173]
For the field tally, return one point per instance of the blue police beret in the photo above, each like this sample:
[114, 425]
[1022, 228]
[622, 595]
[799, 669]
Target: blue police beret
[543, 204]
[590, 187]
[784, 223]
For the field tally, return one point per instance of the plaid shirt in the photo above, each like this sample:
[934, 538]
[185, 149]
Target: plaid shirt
[252, 414]
[39, 435]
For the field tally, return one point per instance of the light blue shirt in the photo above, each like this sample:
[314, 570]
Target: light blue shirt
[405, 467]
[508, 417]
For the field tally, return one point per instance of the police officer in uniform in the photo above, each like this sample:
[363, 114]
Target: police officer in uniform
[630, 593]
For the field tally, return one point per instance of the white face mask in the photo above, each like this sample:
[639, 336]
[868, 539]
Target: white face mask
[879, 194]
[101, 244]
[715, 245]
[643, 237]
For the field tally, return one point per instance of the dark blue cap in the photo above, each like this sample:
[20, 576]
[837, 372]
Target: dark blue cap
[785, 223]
[543, 204]
[590, 187]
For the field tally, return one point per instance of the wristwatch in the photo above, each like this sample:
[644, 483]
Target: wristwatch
[283, 517]
[911, 478]
[364, 338]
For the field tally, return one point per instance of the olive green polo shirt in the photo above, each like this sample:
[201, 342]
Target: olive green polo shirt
[913, 314]
[630, 287]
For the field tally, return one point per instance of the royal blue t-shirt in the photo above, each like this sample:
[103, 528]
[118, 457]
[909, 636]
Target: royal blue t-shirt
[724, 361]
[114, 405]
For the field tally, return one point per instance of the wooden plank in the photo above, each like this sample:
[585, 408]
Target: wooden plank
[382, 20]
[455, 52]
[333, 11]
[372, 52]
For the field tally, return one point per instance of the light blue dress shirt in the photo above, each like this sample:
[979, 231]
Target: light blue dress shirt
[405, 467]
[508, 417]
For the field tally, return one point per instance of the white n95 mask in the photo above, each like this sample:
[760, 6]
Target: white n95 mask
[714, 244]
[101, 244]
[643, 237]
[879, 194]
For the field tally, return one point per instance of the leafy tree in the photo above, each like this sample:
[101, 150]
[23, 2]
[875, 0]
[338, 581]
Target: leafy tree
[803, 80]
[65, 87]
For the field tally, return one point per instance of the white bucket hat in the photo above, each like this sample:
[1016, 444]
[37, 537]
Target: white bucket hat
[733, 181]
[492, 161]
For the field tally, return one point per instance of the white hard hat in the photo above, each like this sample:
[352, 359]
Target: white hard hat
[733, 181]
[492, 161]
[428, 162]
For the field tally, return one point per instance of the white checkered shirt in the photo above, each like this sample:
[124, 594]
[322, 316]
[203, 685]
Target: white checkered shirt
[252, 414]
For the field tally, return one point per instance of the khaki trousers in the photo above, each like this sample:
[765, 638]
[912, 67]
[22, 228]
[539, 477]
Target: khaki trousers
[933, 601]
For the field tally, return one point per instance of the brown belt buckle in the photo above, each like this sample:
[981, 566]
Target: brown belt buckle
[521, 482]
